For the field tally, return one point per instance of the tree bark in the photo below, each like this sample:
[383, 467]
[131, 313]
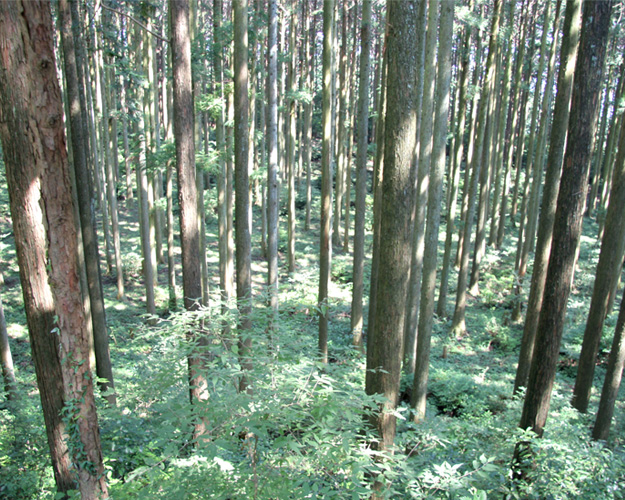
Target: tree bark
[187, 196]
[557, 139]
[396, 224]
[362, 121]
[241, 159]
[325, 244]
[41, 207]
[569, 212]
[607, 273]
[437, 172]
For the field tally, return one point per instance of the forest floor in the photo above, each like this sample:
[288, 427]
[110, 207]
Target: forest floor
[300, 433]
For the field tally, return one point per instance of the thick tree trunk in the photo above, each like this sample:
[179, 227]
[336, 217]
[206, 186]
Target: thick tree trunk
[396, 224]
[557, 139]
[187, 196]
[569, 212]
[41, 208]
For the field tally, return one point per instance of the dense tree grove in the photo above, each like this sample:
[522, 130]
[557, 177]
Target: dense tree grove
[322, 177]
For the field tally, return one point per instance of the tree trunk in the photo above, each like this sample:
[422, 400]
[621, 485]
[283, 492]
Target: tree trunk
[187, 197]
[241, 159]
[435, 198]
[396, 224]
[362, 121]
[272, 166]
[291, 123]
[75, 92]
[325, 246]
[569, 212]
[458, 153]
[557, 139]
[458, 323]
[612, 381]
[8, 372]
[38, 177]
[378, 177]
[608, 272]
[422, 158]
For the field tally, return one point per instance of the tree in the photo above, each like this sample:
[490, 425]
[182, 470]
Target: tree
[396, 224]
[569, 212]
[41, 206]
[8, 372]
[76, 97]
[568, 57]
[325, 244]
[437, 171]
[272, 166]
[362, 121]
[187, 194]
[608, 272]
[458, 323]
[241, 159]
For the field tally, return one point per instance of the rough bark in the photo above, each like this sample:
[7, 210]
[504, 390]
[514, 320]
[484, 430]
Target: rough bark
[569, 212]
[557, 139]
[187, 195]
[396, 224]
[41, 206]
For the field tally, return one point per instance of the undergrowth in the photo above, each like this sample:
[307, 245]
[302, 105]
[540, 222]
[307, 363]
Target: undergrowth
[302, 431]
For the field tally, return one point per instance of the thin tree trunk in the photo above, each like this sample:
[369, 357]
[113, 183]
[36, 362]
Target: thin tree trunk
[8, 372]
[458, 326]
[362, 121]
[69, 33]
[612, 381]
[272, 166]
[422, 158]
[241, 159]
[325, 246]
[607, 273]
[435, 199]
